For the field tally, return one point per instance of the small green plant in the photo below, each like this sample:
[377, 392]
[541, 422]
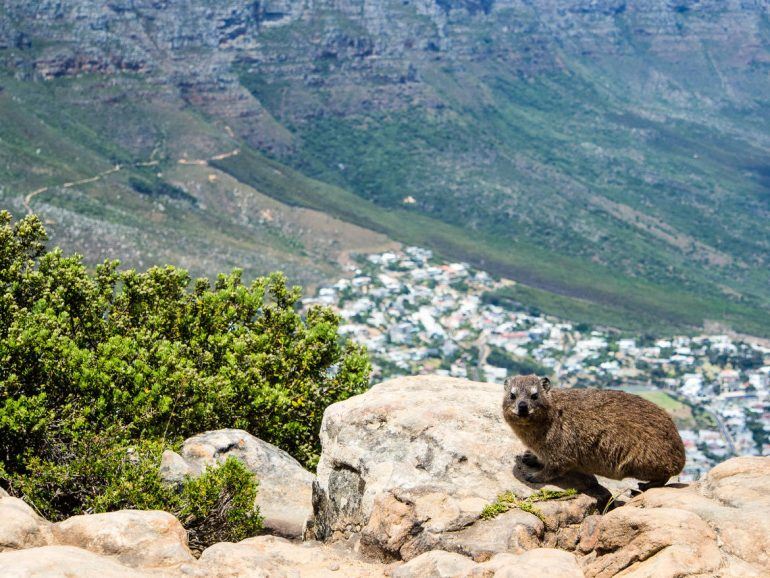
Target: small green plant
[545, 494]
[508, 500]
[612, 500]
[219, 505]
[531, 509]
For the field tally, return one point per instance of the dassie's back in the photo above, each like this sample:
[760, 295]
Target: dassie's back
[617, 434]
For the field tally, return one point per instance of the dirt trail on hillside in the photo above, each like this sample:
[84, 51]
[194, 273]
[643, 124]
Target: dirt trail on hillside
[151, 162]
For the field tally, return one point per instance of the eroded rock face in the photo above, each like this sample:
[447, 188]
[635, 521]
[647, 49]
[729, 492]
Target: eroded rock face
[717, 526]
[409, 465]
[285, 487]
[140, 539]
[21, 527]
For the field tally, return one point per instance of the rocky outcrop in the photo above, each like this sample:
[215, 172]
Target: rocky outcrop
[405, 472]
[284, 496]
[408, 466]
[718, 526]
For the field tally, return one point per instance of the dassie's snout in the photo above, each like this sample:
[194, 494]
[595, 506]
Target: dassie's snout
[522, 409]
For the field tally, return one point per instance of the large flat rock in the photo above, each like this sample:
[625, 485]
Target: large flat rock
[137, 538]
[408, 466]
[64, 562]
[273, 556]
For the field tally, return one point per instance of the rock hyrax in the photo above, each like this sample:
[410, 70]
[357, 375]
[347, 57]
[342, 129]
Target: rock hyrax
[608, 433]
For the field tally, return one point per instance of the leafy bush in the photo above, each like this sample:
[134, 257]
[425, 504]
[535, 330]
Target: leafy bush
[154, 187]
[97, 474]
[96, 365]
[219, 505]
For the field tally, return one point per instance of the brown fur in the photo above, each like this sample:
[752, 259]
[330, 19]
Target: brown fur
[608, 433]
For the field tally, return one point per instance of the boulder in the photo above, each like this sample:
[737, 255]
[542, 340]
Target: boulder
[739, 482]
[408, 466]
[661, 542]
[514, 531]
[21, 527]
[136, 538]
[733, 499]
[436, 564]
[285, 487]
[531, 564]
[274, 556]
[63, 562]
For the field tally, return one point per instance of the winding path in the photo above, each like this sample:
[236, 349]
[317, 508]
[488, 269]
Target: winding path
[27, 201]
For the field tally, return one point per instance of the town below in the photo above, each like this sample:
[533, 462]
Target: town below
[417, 315]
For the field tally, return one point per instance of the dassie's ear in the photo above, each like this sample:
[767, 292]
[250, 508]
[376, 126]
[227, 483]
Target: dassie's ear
[507, 383]
[545, 383]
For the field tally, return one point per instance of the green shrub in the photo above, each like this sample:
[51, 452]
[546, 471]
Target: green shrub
[219, 505]
[156, 188]
[96, 474]
[100, 371]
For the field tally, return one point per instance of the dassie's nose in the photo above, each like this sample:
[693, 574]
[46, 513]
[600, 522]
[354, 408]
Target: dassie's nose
[523, 406]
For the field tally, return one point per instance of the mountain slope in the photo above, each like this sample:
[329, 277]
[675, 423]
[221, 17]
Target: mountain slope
[613, 155]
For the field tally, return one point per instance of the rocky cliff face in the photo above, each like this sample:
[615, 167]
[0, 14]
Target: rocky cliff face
[392, 45]
[629, 138]
[405, 473]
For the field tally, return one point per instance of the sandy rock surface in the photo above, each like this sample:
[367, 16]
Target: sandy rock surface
[136, 538]
[64, 562]
[275, 556]
[21, 526]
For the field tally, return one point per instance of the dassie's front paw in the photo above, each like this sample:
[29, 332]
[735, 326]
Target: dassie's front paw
[543, 476]
[534, 478]
[528, 458]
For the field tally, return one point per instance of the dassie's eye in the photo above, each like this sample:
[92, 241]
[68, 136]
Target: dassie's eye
[534, 396]
[513, 395]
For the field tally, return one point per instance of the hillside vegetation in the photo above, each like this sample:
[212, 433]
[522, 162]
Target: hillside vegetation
[611, 157]
[100, 372]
